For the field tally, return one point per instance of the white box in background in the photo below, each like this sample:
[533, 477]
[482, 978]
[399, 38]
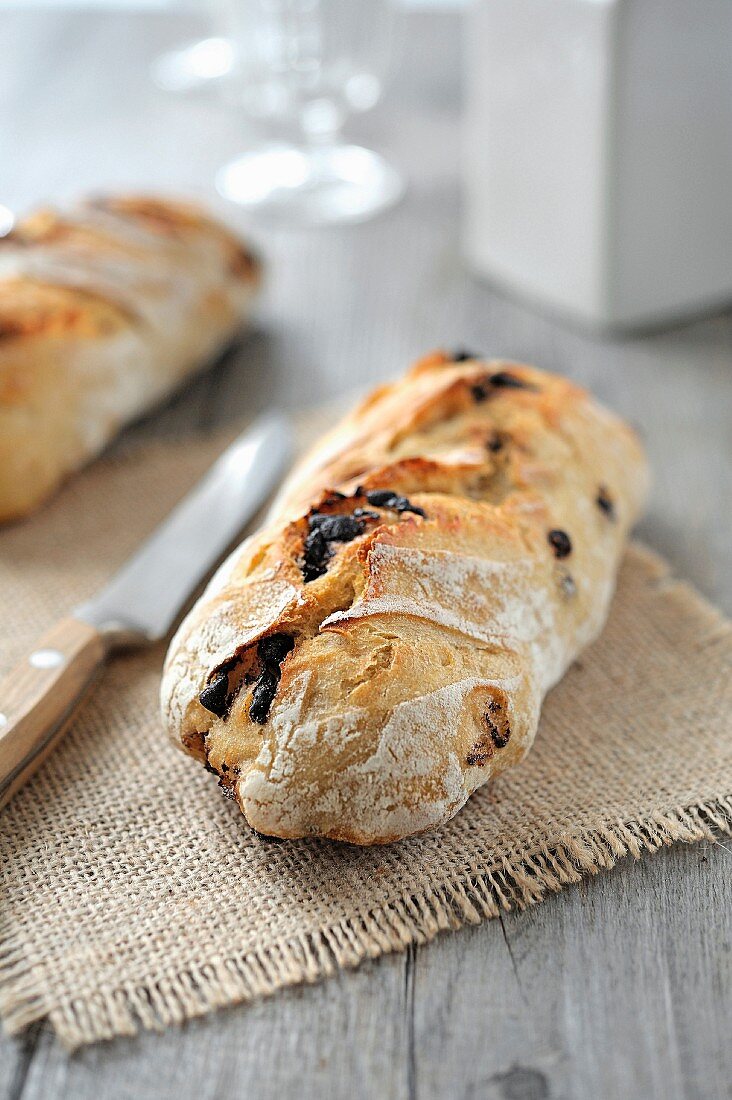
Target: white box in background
[597, 154]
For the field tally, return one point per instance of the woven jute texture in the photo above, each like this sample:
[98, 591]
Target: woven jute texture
[135, 895]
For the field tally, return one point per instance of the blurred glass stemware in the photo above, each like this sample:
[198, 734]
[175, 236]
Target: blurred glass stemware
[300, 68]
[297, 69]
[195, 66]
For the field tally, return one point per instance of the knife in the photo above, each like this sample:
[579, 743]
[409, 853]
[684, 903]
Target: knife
[141, 602]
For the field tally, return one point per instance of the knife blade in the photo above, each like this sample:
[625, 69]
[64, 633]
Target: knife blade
[140, 603]
[145, 597]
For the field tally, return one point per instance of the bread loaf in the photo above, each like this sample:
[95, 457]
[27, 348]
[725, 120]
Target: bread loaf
[104, 311]
[381, 648]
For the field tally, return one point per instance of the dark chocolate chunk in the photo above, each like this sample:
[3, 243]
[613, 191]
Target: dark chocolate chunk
[401, 504]
[494, 443]
[605, 502]
[499, 737]
[498, 730]
[560, 543]
[497, 724]
[275, 647]
[478, 755]
[506, 380]
[382, 498]
[264, 692]
[502, 379]
[480, 391]
[462, 355]
[336, 528]
[215, 697]
[272, 650]
[387, 498]
[316, 555]
[325, 529]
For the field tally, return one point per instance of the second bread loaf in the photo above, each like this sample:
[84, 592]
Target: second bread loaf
[103, 311]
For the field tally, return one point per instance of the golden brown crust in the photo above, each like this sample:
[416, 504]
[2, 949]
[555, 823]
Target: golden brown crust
[381, 648]
[103, 311]
[33, 309]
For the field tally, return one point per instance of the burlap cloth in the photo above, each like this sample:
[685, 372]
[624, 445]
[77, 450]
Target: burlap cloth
[135, 895]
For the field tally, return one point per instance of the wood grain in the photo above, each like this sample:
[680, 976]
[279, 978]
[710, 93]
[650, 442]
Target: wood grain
[619, 989]
[38, 698]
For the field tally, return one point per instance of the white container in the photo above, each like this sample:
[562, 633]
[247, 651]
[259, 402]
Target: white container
[598, 154]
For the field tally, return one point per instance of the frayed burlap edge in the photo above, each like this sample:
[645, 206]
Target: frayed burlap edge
[514, 881]
[411, 919]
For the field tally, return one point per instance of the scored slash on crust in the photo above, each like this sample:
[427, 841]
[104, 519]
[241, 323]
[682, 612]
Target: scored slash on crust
[368, 750]
[326, 529]
[218, 696]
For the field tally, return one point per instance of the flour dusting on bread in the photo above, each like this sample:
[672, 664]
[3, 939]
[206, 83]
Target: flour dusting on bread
[381, 648]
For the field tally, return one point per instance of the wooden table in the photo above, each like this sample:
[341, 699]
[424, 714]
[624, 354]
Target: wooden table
[620, 988]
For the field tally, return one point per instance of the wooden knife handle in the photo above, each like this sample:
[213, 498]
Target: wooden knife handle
[38, 698]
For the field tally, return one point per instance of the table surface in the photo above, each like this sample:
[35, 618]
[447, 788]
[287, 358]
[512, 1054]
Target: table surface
[619, 988]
